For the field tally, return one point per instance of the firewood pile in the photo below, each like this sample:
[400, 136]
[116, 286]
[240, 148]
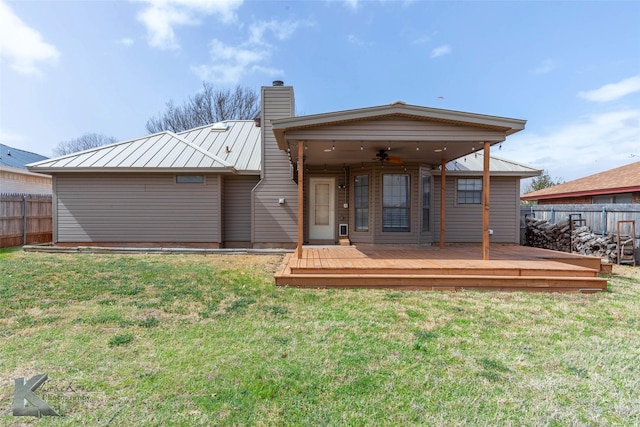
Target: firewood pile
[540, 233]
[587, 243]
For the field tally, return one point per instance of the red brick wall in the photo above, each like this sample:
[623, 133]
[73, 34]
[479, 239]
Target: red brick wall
[584, 200]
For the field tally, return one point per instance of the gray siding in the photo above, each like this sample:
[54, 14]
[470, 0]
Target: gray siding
[464, 222]
[237, 208]
[108, 207]
[398, 129]
[275, 223]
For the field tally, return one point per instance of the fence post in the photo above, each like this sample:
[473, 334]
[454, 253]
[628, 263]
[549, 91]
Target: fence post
[553, 216]
[603, 221]
[24, 219]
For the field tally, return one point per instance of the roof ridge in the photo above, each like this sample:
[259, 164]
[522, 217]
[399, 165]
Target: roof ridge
[212, 124]
[202, 150]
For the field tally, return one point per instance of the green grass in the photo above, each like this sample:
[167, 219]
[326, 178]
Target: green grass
[209, 340]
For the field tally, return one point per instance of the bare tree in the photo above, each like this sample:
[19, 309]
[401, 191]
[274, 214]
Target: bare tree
[542, 181]
[208, 106]
[85, 142]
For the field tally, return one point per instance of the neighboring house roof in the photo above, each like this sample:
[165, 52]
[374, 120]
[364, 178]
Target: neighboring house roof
[229, 146]
[474, 163]
[16, 158]
[624, 179]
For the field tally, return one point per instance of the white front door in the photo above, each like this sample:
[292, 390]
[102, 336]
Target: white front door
[322, 198]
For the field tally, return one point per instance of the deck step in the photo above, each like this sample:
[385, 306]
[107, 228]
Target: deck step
[568, 271]
[444, 282]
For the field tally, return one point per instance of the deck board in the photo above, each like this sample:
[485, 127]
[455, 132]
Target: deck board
[511, 267]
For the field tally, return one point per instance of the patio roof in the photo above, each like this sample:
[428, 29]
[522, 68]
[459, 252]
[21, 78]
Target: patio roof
[418, 134]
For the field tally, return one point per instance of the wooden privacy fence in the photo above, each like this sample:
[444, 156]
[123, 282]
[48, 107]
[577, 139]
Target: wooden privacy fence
[24, 219]
[600, 218]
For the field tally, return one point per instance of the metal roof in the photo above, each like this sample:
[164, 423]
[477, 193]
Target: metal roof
[16, 158]
[474, 163]
[230, 146]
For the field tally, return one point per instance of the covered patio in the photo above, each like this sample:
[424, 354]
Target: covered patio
[401, 153]
[376, 208]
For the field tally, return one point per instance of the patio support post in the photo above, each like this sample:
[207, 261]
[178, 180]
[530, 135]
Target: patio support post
[443, 199]
[300, 198]
[485, 201]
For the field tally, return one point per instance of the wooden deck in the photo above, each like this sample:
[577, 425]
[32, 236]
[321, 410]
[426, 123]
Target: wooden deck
[511, 268]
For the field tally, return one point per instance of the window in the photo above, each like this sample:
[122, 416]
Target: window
[426, 202]
[189, 179]
[616, 198]
[395, 203]
[361, 202]
[469, 191]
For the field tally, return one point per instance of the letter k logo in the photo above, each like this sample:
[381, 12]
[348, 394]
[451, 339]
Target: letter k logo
[27, 403]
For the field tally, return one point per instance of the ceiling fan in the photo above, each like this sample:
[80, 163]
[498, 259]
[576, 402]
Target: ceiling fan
[383, 156]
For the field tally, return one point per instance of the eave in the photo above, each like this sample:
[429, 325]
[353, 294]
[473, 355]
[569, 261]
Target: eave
[598, 192]
[398, 109]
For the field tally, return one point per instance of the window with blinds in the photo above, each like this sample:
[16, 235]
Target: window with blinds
[395, 202]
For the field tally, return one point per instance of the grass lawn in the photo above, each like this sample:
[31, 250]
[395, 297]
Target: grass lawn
[137, 340]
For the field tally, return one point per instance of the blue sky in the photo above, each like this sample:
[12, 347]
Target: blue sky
[571, 69]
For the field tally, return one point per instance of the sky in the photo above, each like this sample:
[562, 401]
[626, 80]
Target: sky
[571, 69]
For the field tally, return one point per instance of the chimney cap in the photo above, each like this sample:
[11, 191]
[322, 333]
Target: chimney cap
[278, 83]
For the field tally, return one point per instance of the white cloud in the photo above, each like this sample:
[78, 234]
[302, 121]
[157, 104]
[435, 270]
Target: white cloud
[281, 30]
[353, 39]
[7, 136]
[162, 16]
[592, 144]
[230, 63]
[126, 41]
[440, 51]
[353, 4]
[545, 66]
[22, 44]
[613, 91]
[421, 40]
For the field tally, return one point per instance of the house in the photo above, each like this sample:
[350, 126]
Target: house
[373, 175]
[14, 176]
[618, 185]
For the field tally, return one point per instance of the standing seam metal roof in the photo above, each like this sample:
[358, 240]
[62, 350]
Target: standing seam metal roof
[233, 145]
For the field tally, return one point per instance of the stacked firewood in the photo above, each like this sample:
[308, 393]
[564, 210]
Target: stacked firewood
[587, 243]
[540, 233]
